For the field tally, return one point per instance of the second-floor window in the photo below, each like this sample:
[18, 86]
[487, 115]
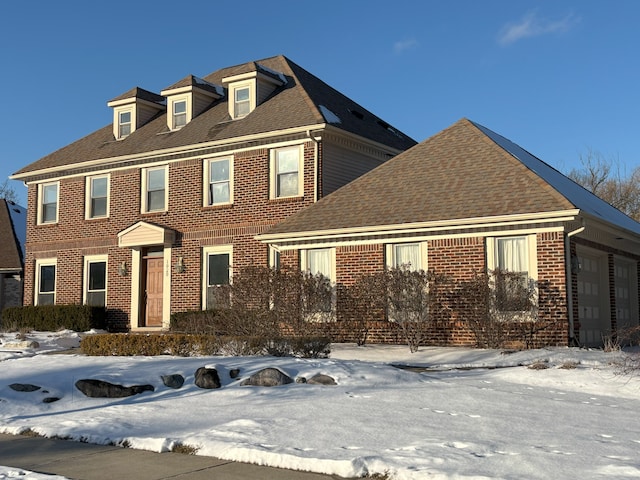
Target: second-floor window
[220, 181]
[154, 183]
[97, 196]
[48, 203]
[286, 167]
[179, 114]
[124, 124]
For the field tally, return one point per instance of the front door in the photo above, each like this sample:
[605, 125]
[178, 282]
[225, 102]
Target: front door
[154, 267]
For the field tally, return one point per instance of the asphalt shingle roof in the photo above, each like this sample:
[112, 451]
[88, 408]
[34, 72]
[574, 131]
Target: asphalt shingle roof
[10, 256]
[465, 171]
[295, 104]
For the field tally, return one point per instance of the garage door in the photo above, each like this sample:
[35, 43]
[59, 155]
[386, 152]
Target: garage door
[625, 273]
[592, 301]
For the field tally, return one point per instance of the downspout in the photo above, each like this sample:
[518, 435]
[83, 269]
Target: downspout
[568, 275]
[315, 166]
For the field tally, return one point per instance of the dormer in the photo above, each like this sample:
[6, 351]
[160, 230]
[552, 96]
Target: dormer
[188, 98]
[248, 90]
[133, 109]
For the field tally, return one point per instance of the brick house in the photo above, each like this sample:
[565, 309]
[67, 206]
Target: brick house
[468, 200]
[149, 213]
[13, 225]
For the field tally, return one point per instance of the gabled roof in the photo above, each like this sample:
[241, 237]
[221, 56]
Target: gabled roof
[140, 93]
[294, 104]
[464, 172]
[13, 229]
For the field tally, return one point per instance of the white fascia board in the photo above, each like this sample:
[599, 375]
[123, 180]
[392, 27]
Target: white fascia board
[422, 227]
[193, 150]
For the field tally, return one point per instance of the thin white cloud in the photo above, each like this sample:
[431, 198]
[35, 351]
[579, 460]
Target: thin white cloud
[404, 45]
[532, 25]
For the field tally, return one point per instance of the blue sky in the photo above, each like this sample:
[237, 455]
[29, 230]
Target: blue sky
[557, 77]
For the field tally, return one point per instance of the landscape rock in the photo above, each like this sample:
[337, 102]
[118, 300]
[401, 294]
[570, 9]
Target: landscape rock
[50, 399]
[268, 377]
[321, 379]
[234, 372]
[301, 380]
[173, 381]
[24, 387]
[207, 378]
[102, 389]
[21, 344]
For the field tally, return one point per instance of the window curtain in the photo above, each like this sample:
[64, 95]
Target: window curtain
[319, 261]
[407, 256]
[512, 254]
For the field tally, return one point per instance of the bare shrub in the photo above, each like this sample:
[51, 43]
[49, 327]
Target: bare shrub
[498, 307]
[366, 298]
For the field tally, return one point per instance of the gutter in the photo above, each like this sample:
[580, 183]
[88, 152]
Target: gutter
[568, 274]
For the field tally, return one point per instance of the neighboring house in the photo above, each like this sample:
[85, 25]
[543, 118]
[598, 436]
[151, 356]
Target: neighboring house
[13, 226]
[151, 213]
[467, 200]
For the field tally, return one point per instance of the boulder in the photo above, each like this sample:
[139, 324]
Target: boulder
[50, 399]
[102, 389]
[24, 387]
[234, 372]
[207, 378]
[268, 377]
[173, 381]
[321, 379]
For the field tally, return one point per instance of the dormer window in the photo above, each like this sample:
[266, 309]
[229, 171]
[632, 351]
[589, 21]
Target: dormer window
[242, 102]
[124, 124]
[179, 114]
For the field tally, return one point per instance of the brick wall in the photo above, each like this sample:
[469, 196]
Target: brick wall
[196, 226]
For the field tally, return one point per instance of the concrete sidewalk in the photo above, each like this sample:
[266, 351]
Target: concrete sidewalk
[82, 461]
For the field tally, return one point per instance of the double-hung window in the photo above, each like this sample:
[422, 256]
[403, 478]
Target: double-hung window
[179, 114]
[124, 124]
[45, 282]
[217, 276]
[514, 266]
[287, 172]
[154, 183]
[95, 281]
[48, 203]
[220, 173]
[320, 291]
[97, 205]
[241, 102]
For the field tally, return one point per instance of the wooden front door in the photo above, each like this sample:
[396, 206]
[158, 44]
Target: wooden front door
[153, 291]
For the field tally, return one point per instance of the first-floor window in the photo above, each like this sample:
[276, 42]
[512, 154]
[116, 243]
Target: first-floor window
[46, 282]
[319, 286]
[217, 273]
[95, 281]
[513, 272]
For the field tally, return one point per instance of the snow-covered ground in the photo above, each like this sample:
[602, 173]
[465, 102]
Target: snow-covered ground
[576, 419]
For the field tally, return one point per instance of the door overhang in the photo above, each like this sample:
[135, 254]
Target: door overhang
[144, 234]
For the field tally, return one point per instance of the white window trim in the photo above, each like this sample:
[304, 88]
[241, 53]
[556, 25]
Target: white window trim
[41, 204]
[116, 124]
[390, 254]
[207, 176]
[273, 180]
[85, 283]
[45, 262]
[251, 85]
[188, 115]
[532, 253]
[274, 258]
[214, 250]
[532, 262]
[318, 316]
[88, 191]
[144, 208]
